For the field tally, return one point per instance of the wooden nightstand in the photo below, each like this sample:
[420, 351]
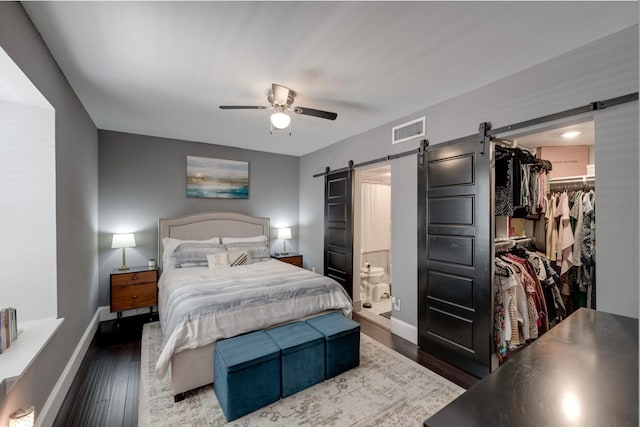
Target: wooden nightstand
[290, 258]
[136, 287]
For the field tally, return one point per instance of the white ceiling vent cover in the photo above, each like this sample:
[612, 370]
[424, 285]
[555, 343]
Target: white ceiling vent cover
[409, 130]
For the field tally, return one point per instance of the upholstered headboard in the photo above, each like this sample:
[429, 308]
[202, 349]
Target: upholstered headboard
[206, 225]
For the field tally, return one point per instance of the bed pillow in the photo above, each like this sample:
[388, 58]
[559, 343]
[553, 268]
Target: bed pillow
[218, 260]
[237, 258]
[254, 239]
[257, 251]
[195, 254]
[169, 245]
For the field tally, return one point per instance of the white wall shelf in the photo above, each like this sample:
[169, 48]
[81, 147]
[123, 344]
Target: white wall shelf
[15, 361]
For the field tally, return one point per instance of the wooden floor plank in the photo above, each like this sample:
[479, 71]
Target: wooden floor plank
[130, 418]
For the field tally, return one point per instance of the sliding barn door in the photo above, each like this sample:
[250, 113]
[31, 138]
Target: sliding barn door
[454, 226]
[338, 242]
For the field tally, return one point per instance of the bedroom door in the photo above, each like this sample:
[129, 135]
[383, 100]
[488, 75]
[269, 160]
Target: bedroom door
[338, 241]
[454, 254]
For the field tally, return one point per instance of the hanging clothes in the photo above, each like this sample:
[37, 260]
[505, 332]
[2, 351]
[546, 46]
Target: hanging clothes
[588, 251]
[503, 182]
[578, 218]
[564, 251]
[574, 224]
[552, 229]
[519, 188]
[526, 299]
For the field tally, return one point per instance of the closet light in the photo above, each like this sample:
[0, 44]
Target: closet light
[570, 134]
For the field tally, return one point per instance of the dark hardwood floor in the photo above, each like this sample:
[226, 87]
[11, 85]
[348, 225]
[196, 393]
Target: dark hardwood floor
[105, 390]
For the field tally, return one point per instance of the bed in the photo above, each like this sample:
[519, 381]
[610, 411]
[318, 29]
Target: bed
[228, 298]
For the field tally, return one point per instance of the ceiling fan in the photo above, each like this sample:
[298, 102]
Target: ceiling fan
[281, 98]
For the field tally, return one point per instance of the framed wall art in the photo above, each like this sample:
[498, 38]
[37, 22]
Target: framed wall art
[217, 178]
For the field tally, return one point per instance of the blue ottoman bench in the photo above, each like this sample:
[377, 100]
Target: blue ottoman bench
[342, 342]
[301, 356]
[246, 373]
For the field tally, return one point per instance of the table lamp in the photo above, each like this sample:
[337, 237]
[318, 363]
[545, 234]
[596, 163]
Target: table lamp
[123, 241]
[284, 234]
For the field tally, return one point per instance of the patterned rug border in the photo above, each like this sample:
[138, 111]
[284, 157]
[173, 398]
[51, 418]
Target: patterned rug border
[386, 389]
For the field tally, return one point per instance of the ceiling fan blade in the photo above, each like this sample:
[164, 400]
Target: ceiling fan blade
[315, 113]
[242, 107]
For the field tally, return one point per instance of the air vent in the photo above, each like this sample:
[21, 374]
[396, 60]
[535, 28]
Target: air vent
[409, 130]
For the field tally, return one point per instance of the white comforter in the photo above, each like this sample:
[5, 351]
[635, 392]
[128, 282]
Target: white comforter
[199, 306]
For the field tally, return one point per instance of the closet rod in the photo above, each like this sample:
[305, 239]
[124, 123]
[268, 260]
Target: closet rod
[594, 106]
[572, 179]
[505, 245]
[370, 162]
[558, 187]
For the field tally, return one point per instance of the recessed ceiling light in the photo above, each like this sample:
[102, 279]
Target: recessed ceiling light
[571, 134]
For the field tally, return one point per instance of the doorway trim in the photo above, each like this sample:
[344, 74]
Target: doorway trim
[357, 226]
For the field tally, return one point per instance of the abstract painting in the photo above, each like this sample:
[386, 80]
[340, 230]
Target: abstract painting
[217, 178]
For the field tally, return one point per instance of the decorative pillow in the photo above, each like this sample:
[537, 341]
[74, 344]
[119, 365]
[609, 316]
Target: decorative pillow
[218, 260]
[254, 239]
[239, 258]
[195, 254]
[258, 251]
[169, 245]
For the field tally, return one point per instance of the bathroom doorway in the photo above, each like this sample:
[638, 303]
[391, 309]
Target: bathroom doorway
[372, 243]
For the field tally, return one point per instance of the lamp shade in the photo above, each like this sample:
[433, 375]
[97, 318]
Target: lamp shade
[123, 241]
[284, 233]
[280, 120]
[23, 417]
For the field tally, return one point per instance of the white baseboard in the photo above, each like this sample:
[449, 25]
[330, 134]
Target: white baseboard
[404, 330]
[50, 409]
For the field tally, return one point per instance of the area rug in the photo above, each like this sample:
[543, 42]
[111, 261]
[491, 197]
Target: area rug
[387, 389]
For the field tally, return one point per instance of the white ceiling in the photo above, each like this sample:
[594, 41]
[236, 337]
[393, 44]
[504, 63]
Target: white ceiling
[163, 68]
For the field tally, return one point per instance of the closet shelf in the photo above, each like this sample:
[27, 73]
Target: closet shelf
[504, 245]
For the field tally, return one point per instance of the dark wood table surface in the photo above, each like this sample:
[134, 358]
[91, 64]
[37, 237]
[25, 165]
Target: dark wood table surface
[583, 372]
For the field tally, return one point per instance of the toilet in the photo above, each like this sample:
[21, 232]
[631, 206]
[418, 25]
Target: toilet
[371, 283]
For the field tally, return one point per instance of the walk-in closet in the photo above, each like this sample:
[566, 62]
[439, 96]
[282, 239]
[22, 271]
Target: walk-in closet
[544, 242]
[507, 233]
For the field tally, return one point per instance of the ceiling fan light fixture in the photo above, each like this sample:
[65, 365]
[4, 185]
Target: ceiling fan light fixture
[280, 120]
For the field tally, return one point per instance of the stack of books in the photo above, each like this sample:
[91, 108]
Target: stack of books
[8, 327]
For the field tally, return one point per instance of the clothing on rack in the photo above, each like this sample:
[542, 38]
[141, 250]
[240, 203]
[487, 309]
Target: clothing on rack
[564, 252]
[571, 217]
[520, 182]
[526, 299]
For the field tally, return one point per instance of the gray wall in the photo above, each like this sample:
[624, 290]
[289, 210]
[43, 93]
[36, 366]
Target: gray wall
[143, 178]
[617, 210]
[76, 207]
[605, 68]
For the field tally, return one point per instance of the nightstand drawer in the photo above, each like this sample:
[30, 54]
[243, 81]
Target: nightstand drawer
[293, 260]
[125, 297]
[133, 278]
